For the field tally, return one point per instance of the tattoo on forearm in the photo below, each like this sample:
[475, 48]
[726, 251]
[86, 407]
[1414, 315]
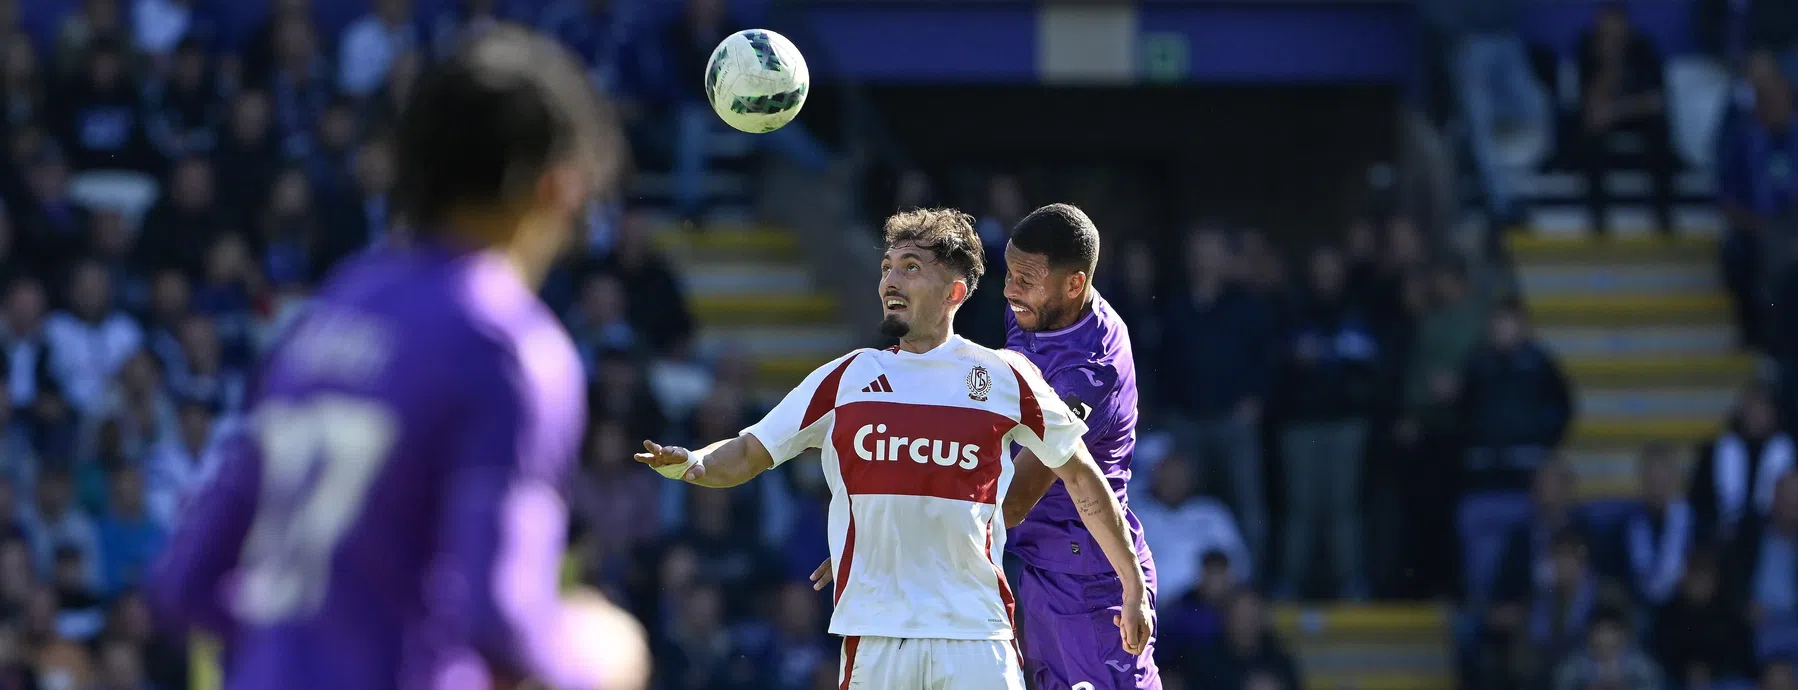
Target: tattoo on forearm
[1089, 505]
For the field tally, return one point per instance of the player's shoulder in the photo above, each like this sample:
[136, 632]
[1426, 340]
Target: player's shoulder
[1109, 336]
[1016, 360]
[1012, 364]
[466, 314]
[835, 367]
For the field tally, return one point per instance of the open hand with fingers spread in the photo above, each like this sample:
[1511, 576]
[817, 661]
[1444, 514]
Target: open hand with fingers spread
[673, 462]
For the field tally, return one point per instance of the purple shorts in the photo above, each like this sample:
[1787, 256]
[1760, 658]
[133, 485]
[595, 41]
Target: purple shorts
[1069, 639]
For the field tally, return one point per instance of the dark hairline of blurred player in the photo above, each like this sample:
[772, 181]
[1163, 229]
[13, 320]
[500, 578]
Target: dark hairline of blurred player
[499, 148]
[924, 281]
[552, 145]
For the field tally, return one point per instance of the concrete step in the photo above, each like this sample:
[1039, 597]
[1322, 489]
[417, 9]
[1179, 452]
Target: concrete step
[1351, 622]
[1583, 341]
[1370, 647]
[776, 341]
[721, 277]
[1621, 183]
[1334, 659]
[716, 183]
[1642, 429]
[1603, 471]
[1533, 247]
[1572, 219]
[1609, 471]
[1379, 681]
[1660, 370]
[1629, 309]
[746, 310]
[1712, 401]
[730, 244]
[786, 370]
[1658, 278]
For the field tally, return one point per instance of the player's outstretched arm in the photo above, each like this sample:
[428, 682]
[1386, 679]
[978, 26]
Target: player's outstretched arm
[183, 587]
[1029, 481]
[721, 465]
[502, 534]
[1104, 517]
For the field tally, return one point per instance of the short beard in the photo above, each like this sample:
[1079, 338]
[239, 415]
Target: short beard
[892, 327]
[1049, 316]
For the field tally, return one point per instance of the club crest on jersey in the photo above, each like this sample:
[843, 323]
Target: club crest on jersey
[980, 383]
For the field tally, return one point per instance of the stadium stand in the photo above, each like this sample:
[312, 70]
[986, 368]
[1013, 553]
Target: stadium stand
[176, 173]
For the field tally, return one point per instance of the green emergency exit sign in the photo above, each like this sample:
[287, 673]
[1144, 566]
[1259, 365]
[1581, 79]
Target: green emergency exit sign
[1166, 56]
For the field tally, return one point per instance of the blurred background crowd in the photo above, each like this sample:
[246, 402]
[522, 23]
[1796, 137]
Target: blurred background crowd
[1464, 353]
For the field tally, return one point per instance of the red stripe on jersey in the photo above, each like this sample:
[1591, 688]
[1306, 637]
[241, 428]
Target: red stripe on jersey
[824, 398]
[850, 644]
[1004, 590]
[885, 385]
[842, 579]
[1030, 412]
[908, 449]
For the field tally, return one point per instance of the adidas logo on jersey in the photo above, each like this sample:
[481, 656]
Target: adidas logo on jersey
[918, 450]
[879, 385]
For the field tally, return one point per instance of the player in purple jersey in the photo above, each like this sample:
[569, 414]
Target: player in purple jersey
[1068, 594]
[392, 519]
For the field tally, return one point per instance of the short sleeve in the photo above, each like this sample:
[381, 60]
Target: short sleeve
[1085, 390]
[803, 416]
[1045, 426]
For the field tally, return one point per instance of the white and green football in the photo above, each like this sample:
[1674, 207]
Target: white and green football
[757, 81]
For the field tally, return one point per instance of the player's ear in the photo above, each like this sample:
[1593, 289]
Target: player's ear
[1076, 282]
[958, 292]
[564, 188]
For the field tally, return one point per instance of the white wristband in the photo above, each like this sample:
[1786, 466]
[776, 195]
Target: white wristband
[678, 472]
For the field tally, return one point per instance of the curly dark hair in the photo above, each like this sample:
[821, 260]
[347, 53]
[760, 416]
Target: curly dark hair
[947, 233]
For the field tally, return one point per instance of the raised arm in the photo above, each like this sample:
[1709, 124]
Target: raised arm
[185, 587]
[503, 538]
[797, 423]
[1052, 432]
[721, 465]
[1104, 518]
[1079, 388]
[1029, 482]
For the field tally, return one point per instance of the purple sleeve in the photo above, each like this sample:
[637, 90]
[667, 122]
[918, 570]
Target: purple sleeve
[505, 526]
[186, 586]
[1090, 386]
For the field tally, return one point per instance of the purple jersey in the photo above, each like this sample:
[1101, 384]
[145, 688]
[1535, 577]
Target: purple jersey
[1090, 365]
[391, 519]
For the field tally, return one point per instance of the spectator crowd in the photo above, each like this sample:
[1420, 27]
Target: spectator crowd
[1375, 420]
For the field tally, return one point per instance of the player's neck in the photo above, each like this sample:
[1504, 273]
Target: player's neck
[1086, 307]
[920, 343]
[511, 235]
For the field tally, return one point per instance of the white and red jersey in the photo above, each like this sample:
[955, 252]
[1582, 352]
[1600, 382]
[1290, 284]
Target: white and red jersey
[916, 450]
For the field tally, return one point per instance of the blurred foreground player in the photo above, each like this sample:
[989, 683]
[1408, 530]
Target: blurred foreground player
[1070, 592]
[394, 519]
[916, 444]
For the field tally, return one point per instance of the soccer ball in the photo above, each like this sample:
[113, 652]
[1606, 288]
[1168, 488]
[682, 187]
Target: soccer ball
[757, 81]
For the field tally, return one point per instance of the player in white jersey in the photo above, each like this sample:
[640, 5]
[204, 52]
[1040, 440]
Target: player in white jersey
[916, 445]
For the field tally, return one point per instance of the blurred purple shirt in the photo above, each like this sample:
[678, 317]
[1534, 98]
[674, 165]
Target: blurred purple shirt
[393, 518]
